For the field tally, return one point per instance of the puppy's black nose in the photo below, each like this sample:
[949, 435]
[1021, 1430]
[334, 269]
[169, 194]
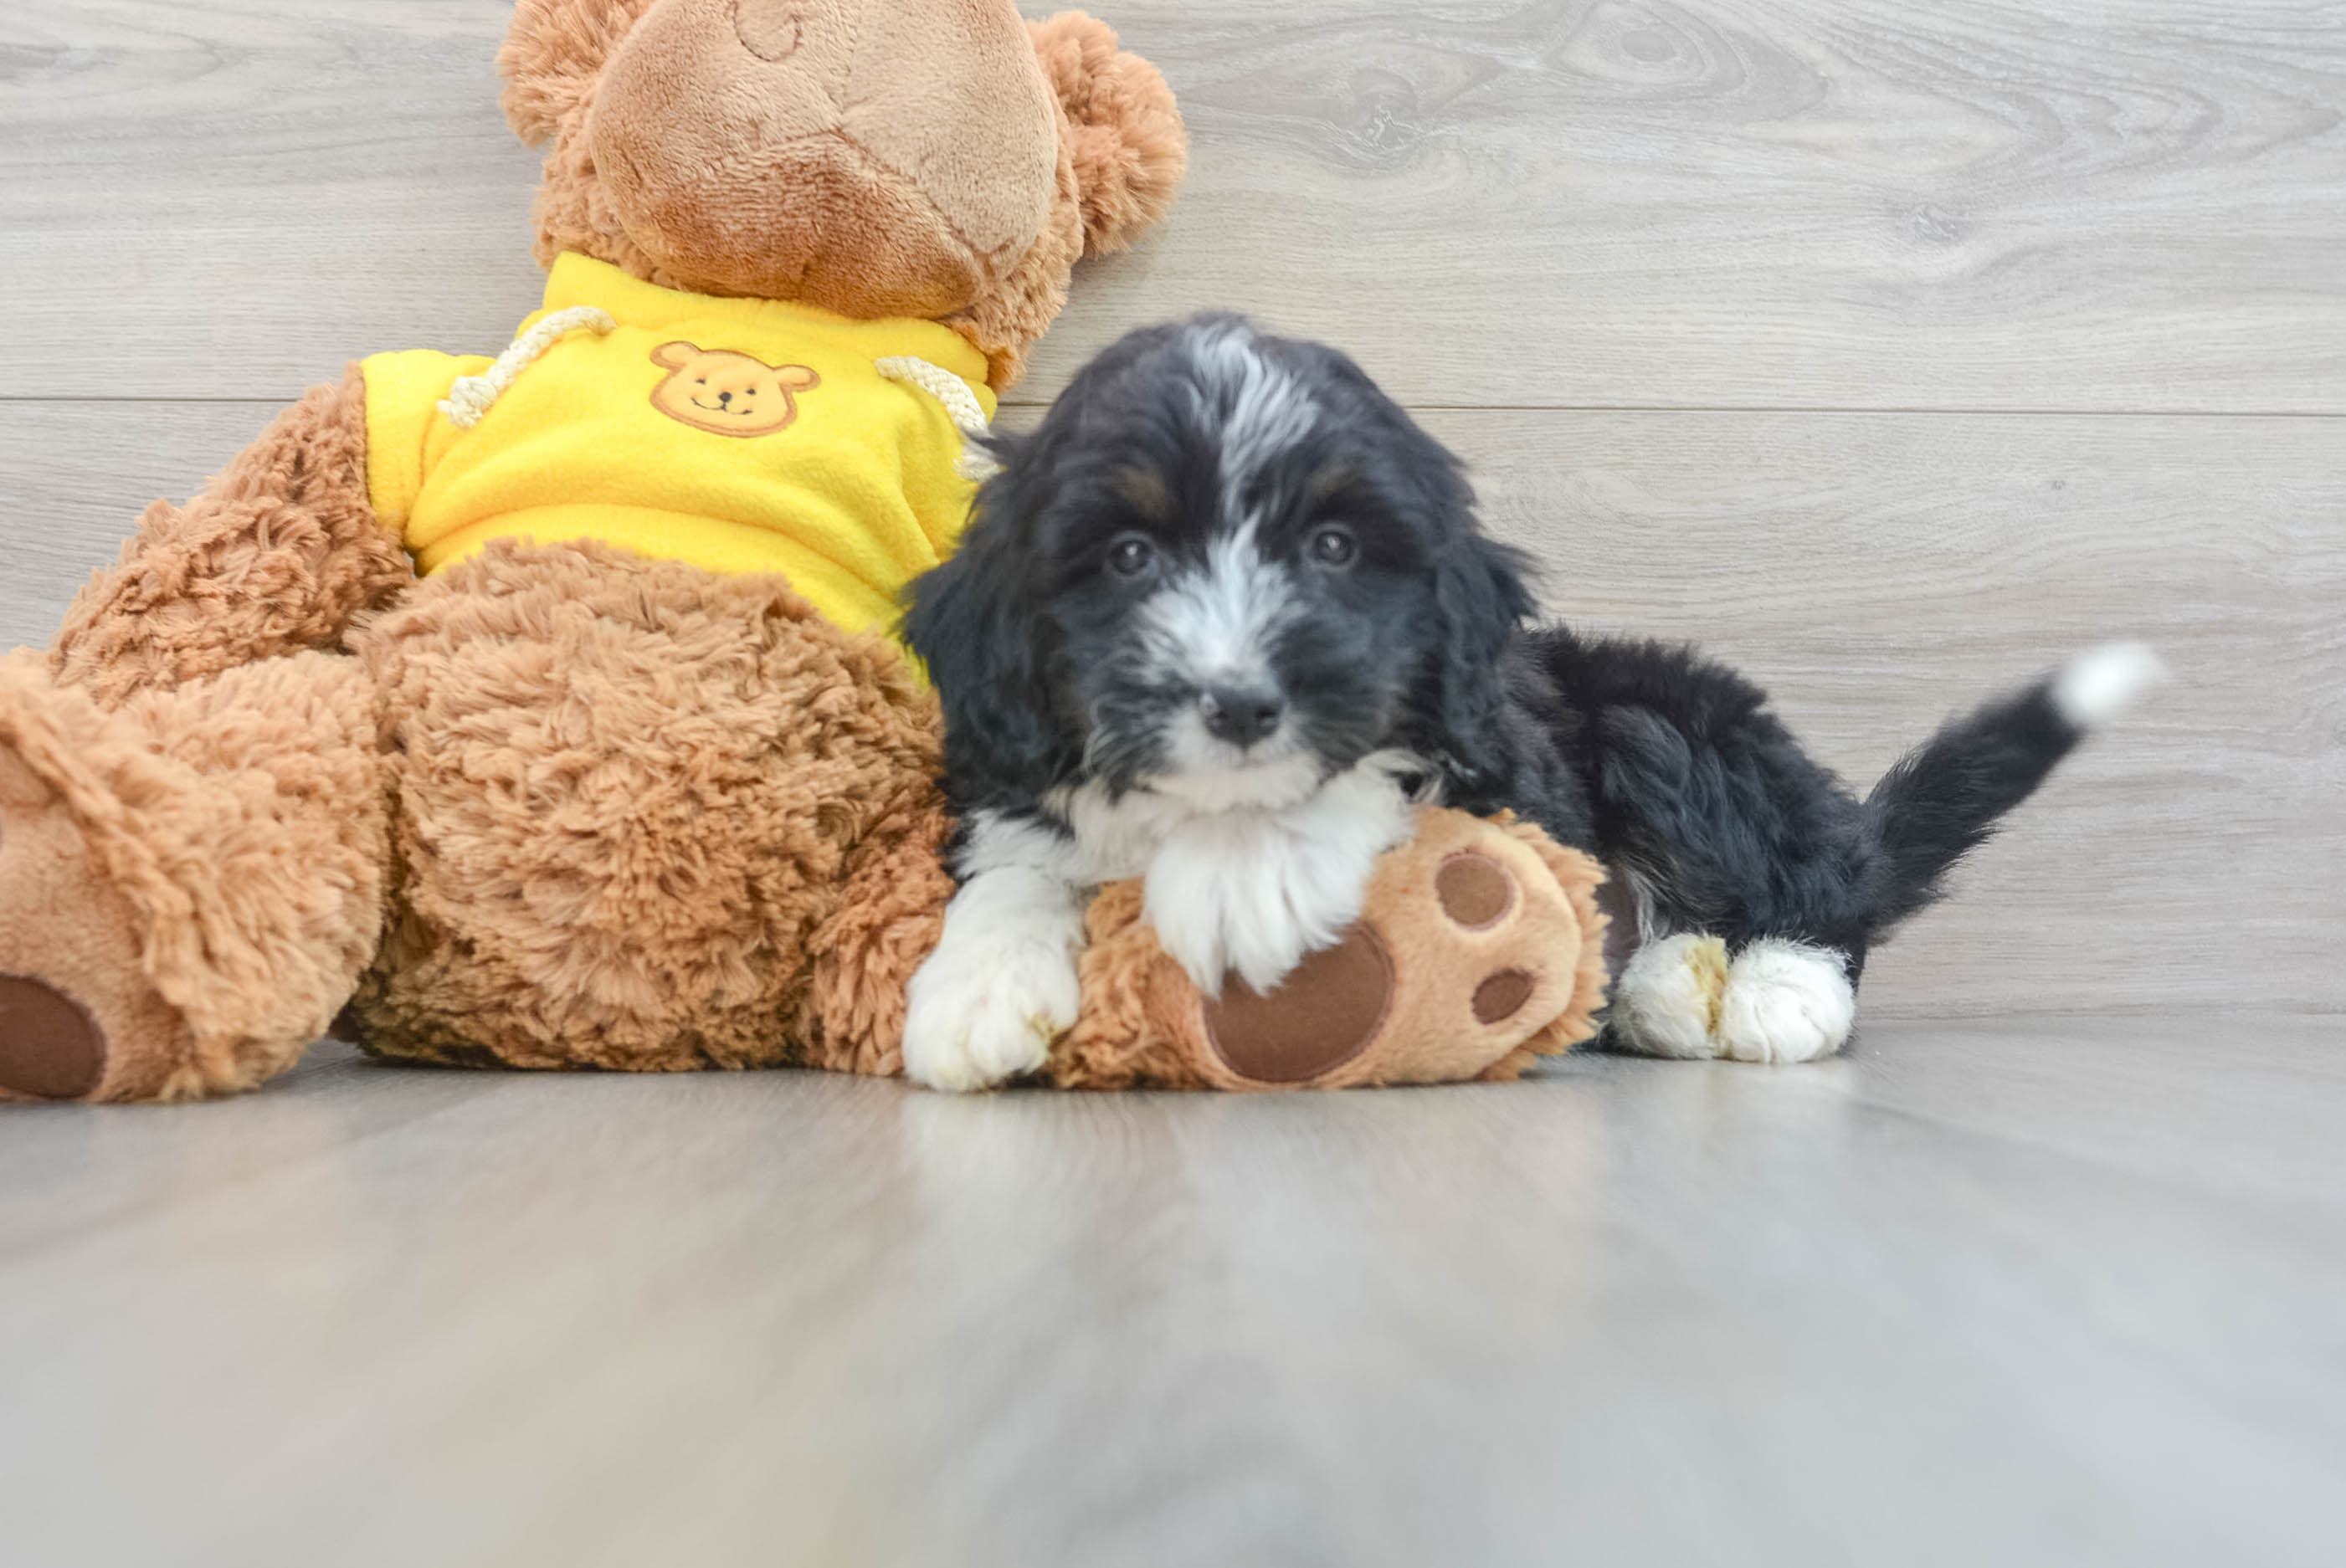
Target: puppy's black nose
[1240, 715]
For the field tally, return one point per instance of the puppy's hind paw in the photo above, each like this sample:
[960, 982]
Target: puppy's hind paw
[1667, 998]
[1777, 1001]
[1786, 1002]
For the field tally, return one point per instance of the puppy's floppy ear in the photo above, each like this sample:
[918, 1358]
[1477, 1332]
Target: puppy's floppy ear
[1481, 595]
[977, 623]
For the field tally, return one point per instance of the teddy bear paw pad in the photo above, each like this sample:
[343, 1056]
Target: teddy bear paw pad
[1475, 890]
[50, 1046]
[1320, 1017]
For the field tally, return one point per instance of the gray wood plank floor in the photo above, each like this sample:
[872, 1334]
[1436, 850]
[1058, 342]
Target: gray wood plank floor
[1891, 350]
[2058, 1291]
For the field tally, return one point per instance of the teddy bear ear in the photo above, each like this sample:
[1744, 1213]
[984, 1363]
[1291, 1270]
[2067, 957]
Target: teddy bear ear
[553, 51]
[1125, 132]
[674, 356]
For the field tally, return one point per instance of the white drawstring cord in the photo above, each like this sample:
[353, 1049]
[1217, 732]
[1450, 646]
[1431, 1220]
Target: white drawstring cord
[470, 397]
[961, 406]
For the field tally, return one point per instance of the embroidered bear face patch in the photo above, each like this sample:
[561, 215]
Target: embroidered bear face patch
[726, 393]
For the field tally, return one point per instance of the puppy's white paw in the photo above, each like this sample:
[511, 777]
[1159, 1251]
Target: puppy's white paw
[979, 1013]
[1786, 1002]
[1779, 1001]
[1667, 1000]
[1001, 985]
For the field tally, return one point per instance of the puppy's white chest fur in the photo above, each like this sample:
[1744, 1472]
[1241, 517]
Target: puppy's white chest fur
[1246, 889]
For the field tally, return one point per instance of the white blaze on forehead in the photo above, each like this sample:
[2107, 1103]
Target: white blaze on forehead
[1254, 408]
[1218, 623]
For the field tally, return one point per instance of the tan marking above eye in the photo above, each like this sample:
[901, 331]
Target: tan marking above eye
[1330, 480]
[1144, 489]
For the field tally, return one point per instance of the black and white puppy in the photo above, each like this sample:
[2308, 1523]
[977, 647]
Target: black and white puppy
[1228, 616]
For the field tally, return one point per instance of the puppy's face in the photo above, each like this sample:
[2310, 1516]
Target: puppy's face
[1225, 567]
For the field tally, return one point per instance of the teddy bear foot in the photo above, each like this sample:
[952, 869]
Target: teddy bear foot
[1479, 947]
[79, 1020]
[1467, 961]
[50, 1046]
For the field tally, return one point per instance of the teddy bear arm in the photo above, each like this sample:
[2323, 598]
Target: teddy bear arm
[1120, 125]
[278, 555]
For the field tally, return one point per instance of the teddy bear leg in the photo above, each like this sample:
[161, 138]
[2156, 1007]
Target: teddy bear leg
[277, 555]
[889, 914]
[636, 802]
[188, 885]
[1479, 947]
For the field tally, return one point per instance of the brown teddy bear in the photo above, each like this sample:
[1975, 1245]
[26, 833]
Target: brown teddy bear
[542, 710]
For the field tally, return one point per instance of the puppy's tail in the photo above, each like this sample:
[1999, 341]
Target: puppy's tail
[1942, 799]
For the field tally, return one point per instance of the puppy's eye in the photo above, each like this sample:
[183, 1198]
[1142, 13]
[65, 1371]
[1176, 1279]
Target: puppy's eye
[1131, 555]
[1334, 546]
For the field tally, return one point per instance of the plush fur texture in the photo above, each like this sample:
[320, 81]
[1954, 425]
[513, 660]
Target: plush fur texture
[899, 161]
[77, 999]
[1122, 153]
[1229, 607]
[279, 554]
[552, 56]
[640, 817]
[630, 796]
[232, 828]
[1123, 136]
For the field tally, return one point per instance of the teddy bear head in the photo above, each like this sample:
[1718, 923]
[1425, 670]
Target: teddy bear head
[936, 159]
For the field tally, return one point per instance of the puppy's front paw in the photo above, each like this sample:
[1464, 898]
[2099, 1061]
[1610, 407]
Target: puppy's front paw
[1252, 896]
[1217, 921]
[985, 1009]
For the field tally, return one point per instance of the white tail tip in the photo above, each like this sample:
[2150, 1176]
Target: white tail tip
[2101, 683]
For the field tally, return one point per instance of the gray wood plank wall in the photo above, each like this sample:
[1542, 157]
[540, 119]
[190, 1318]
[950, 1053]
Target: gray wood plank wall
[1891, 350]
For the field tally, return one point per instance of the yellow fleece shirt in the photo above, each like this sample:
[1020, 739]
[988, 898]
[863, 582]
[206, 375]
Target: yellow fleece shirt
[737, 435]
